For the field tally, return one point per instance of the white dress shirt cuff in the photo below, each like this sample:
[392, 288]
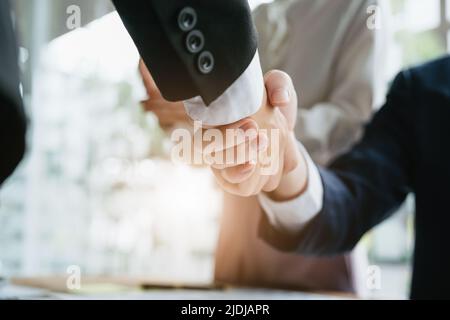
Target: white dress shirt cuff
[293, 215]
[242, 99]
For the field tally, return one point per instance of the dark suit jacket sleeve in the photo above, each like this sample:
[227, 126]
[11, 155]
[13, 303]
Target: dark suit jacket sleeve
[228, 36]
[364, 186]
[12, 118]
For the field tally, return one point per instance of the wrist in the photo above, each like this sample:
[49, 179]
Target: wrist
[292, 184]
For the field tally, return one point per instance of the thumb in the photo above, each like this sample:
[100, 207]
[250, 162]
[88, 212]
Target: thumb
[281, 93]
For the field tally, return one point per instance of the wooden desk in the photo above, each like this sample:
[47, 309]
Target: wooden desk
[126, 289]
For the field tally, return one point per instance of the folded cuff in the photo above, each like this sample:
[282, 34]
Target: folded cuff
[242, 99]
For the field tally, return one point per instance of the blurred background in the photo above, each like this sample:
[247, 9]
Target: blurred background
[97, 188]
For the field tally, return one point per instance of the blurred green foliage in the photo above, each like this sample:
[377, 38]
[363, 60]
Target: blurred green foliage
[420, 47]
[397, 6]
[417, 47]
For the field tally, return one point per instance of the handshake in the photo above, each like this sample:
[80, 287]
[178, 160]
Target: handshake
[256, 154]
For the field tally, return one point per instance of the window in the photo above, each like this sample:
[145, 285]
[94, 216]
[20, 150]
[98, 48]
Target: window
[447, 3]
[447, 23]
[421, 29]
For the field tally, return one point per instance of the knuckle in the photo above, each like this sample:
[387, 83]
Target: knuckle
[290, 165]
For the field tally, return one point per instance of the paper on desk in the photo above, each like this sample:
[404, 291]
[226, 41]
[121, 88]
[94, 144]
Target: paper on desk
[14, 292]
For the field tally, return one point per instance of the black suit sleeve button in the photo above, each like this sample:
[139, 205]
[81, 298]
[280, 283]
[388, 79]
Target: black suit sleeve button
[195, 41]
[205, 62]
[187, 19]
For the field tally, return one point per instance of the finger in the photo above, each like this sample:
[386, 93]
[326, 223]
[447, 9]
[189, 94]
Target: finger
[210, 141]
[229, 187]
[225, 185]
[253, 185]
[243, 153]
[149, 82]
[238, 174]
[249, 184]
[279, 87]
[273, 181]
[235, 156]
[281, 93]
[291, 159]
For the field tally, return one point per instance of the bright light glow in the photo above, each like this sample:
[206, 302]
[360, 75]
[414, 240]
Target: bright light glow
[448, 10]
[448, 41]
[255, 3]
[422, 15]
[94, 186]
[111, 50]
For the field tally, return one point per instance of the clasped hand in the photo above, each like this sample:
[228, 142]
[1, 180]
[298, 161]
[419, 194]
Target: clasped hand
[269, 151]
[252, 155]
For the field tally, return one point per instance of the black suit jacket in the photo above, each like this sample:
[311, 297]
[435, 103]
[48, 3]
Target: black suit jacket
[12, 119]
[406, 148]
[192, 47]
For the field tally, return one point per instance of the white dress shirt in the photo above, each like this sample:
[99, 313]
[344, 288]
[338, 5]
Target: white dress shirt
[242, 99]
[339, 77]
[336, 63]
[293, 215]
[333, 73]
